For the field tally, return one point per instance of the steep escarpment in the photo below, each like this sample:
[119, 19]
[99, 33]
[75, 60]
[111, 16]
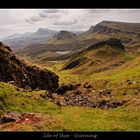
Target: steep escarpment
[113, 42]
[99, 28]
[100, 56]
[16, 71]
[115, 27]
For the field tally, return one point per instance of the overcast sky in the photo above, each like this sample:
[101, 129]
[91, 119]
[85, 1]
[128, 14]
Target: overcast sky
[29, 20]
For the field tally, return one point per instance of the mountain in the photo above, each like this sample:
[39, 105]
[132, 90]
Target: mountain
[64, 41]
[21, 40]
[62, 35]
[18, 72]
[111, 26]
[16, 35]
[128, 33]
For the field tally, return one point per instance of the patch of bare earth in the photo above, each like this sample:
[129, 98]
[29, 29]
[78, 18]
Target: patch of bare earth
[27, 121]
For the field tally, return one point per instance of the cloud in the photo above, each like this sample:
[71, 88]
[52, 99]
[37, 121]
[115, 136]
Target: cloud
[33, 19]
[25, 20]
[42, 15]
[66, 22]
[49, 13]
[45, 13]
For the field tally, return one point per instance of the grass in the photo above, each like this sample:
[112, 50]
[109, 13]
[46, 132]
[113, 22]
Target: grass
[19, 101]
[87, 119]
[125, 118]
[69, 118]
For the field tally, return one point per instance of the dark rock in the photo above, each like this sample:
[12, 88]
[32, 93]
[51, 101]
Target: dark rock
[61, 90]
[110, 104]
[49, 94]
[124, 93]
[73, 64]
[59, 103]
[77, 85]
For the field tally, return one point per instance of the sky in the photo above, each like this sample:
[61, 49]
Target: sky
[29, 20]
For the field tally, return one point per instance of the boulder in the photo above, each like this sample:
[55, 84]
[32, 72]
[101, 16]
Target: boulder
[62, 89]
[10, 117]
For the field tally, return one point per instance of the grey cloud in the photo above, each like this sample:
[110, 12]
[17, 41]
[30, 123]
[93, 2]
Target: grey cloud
[33, 19]
[66, 22]
[42, 15]
[52, 13]
[47, 12]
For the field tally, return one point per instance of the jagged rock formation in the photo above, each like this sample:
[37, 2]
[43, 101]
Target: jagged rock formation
[23, 75]
[106, 27]
[65, 35]
[99, 28]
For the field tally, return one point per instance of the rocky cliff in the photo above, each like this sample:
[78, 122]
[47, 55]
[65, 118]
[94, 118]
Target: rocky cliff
[23, 75]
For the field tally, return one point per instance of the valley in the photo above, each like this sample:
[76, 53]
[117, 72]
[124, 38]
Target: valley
[73, 82]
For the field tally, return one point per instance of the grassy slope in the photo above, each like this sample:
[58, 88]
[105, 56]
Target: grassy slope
[80, 118]
[67, 118]
[121, 118]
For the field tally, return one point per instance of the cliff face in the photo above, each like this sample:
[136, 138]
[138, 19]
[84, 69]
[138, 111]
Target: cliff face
[114, 42]
[100, 28]
[23, 75]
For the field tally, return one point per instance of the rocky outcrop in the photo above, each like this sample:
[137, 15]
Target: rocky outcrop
[10, 117]
[62, 89]
[85, 96]
[103, 29]
[24, 75]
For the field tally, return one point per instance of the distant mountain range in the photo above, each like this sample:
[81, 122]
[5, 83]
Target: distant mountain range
[41, 36]
[21, 40]
[128, 33]
[45, 43]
